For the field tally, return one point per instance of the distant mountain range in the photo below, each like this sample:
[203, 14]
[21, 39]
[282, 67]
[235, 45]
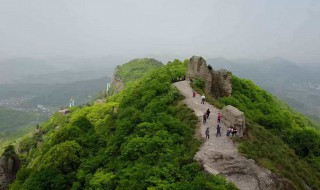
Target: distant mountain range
[56, 69]
[28, 96]
[297, 85]
[32, 89]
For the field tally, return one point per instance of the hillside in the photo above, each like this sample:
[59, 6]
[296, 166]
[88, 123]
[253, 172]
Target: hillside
[288, 143]
[140, 138]
[14, 123]
[136, 68]
[143, 138]
[297, 85]
[277, 137]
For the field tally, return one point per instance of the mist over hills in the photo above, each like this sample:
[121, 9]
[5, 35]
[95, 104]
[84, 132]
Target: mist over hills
[59, 69]
[32, 89]
[297, 85]
[28, 96]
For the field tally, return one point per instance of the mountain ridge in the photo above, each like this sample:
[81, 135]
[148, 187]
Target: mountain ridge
[143, 138]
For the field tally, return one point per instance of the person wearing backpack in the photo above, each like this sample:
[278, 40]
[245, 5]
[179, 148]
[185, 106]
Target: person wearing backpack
[203, 98]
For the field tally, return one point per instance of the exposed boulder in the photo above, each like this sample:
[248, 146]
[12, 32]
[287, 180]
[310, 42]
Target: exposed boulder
[9, 166]
[217, 83]
[231, 116]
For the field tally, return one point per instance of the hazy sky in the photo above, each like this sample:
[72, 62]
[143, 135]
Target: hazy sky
[212, 28]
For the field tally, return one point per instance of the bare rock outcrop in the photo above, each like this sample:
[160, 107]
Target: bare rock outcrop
[231, 116]
[245, 173]
[117, 85]
[9, 166]
[217, 83]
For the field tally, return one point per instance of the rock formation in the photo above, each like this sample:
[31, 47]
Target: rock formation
[231, 116]
[217, 83]
[9, 166]
[116, 84]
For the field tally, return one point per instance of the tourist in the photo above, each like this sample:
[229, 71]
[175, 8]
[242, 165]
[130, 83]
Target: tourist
[218, 131]
[194, 93]
[207, 133]
[204, 118]
[219, 117]
[234, 131]
[203, 98]
[208, 113]
[229, 131]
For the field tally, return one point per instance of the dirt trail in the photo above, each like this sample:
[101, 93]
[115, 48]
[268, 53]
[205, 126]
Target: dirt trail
[219, 155]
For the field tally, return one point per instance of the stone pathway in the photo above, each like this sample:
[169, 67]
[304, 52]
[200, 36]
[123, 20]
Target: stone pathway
[219, 155]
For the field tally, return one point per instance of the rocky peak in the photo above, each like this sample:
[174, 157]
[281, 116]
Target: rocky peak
[218, 83]
[9, 166]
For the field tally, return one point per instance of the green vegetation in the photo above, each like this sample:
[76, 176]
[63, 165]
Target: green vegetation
[199, 83]
[282, 126]
[14, 123]
[288, 81]
[277, 137]
[141, 138]
[273, 153]
[136, 68]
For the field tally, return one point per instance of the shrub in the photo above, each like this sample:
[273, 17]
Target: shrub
[199, 83]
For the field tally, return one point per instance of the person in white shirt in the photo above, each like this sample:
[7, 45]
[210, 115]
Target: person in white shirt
[203, 98]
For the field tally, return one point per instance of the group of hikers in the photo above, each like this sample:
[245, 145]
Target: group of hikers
[231, 131]
[173, 79]
[205, 117]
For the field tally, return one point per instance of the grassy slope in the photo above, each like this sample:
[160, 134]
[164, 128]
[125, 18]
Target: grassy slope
[140, 138]
[277, 137]
[136, 68]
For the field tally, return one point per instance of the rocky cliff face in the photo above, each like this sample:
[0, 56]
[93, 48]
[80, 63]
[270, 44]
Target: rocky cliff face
[9, 166]
[116, 84]
[217, 83]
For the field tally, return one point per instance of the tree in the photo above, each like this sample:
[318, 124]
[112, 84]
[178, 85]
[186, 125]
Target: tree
[64, 157]
[102, 180]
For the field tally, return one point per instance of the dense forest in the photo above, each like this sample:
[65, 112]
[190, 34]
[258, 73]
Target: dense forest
[142, 138]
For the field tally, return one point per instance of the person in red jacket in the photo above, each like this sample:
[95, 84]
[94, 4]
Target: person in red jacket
[219, 117]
